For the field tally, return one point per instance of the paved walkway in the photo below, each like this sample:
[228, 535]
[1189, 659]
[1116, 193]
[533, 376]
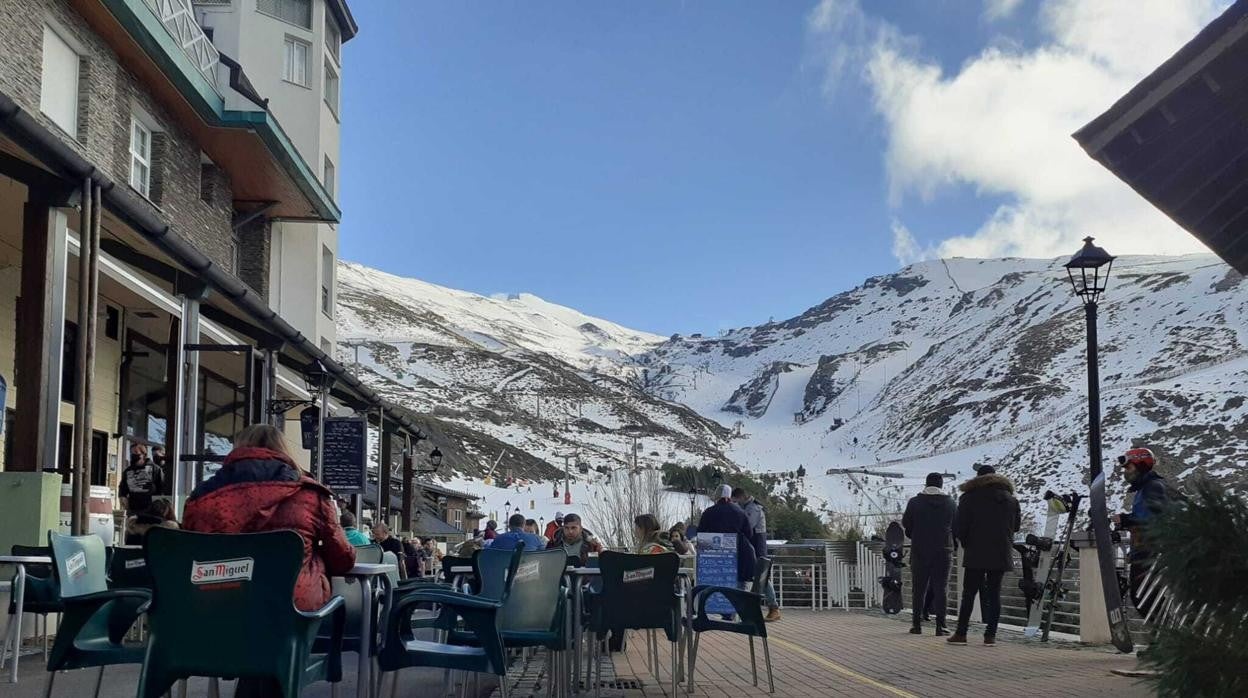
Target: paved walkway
[863, 654]
[828, 653]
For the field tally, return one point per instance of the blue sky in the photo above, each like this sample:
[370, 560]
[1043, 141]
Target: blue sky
[671, 166]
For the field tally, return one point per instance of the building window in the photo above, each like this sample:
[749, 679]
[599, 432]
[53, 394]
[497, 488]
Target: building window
[329, 178]
[58, 93]
[140, 157]
[69, 362]
[296, 12]
[331, 88]
[333, 38]
[327, 282]
[457, 518]
[295, 61]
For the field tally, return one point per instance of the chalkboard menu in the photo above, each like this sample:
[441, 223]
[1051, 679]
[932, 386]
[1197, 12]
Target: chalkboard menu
[344, 454]
[717, 566]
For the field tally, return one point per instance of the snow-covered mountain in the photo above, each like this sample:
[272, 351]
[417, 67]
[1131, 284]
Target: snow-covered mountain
[535, 384]
[938, 367]
[951, 363]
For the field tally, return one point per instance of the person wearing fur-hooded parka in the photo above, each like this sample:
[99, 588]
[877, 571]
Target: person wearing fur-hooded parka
[988, 516]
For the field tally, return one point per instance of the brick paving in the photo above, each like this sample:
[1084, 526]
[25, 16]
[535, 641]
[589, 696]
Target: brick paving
[864, 654]
[827, 653]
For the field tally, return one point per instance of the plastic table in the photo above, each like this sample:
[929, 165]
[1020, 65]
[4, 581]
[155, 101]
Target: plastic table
[365, 572]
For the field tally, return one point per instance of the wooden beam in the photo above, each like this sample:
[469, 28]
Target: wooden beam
[37, 359]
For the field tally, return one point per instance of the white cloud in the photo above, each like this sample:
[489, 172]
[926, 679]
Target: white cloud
[1000, 9]
[905, 248]
[1001, 123]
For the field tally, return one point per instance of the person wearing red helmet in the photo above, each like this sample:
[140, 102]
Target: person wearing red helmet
[1149, 496]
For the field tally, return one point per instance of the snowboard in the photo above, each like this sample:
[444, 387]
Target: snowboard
[1119, 629]
[1036, 611]
[894, 547]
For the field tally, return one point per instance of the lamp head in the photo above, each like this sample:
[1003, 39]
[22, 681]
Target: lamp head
[1089, 270]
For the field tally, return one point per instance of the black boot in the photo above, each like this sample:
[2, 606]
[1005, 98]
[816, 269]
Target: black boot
[916, 628]
[940, 628]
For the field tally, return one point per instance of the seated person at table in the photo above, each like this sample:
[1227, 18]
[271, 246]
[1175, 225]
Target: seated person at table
[530, 526]
[388, 543]
[576, 541]
[516, 534]
[354, 535]
[259, 488]
[679, 542]
[650, 539]
[160, 513]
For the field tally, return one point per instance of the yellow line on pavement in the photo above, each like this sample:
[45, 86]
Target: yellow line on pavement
[843, 670]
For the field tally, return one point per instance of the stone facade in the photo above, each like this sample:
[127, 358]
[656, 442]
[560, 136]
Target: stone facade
[255, 242]
[109, 97]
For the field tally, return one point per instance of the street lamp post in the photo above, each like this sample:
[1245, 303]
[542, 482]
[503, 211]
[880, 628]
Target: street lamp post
[1089, 282]
[318, 380]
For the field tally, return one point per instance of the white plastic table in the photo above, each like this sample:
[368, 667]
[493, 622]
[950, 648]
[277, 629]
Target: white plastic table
[19, 600]
[364, 572]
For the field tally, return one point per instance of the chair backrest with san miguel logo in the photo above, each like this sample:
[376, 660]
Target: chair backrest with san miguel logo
[222, 600]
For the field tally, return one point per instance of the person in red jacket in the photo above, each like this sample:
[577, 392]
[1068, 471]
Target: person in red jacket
[259, 488]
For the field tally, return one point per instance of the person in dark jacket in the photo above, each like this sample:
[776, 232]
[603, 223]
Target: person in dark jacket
[259, 488]
[929, 526]
[140, 481]
[987, 518]
[577, 541]
[726, 517]
[757, 517]
[1149, 495]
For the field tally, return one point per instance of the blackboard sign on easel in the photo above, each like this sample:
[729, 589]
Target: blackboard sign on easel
[345, 454]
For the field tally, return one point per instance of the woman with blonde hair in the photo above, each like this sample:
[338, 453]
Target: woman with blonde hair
[260, 488]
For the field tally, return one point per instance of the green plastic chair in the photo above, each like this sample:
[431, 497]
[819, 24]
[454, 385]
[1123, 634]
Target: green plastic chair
[479, 613]
[534, 614]
[40, 598]
[223, 606]
[749, 621]
[96, 618]
[638, 593]
[127, 569]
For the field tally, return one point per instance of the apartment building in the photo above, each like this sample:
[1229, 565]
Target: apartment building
[142, 175]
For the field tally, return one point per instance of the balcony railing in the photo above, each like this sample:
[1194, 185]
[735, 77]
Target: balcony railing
[179, 19]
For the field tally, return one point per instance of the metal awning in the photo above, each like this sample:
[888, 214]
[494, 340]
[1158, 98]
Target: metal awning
[1180, 137]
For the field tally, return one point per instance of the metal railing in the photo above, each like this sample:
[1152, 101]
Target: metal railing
[178, 18]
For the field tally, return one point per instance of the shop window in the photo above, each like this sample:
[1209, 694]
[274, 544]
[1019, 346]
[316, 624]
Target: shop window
[145, 393]
[222, 413]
